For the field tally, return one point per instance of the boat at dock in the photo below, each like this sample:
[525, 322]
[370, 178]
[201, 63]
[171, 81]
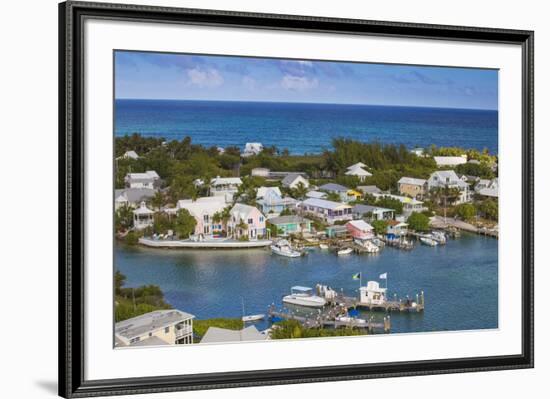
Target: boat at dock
[254, 317]
[345, 251]
[368, 246]
[323, 246]
[439, 236]
[428, 241]
[350, 321]
[283, 248]
[303, 296]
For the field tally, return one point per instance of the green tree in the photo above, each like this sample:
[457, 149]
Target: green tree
[418, 222]
[390, 203]
[379, 226]
[466, 211]
[124, 218]
[157, 201]
[489, 209]
[299, 192]
[184, 224]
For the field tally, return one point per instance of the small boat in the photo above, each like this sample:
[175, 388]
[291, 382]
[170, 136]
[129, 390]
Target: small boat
[303, 296]
[378, 242]
[439, 236]
[283, 248]
[345, 251]
[368, 245]
[253, 317]
[323, 246]
[352, 321]
[428, 241]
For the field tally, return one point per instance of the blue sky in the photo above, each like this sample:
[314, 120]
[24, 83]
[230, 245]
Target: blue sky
[197, 77]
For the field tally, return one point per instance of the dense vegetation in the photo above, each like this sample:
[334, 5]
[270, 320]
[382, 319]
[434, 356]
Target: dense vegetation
[293, 329]
[132, 302]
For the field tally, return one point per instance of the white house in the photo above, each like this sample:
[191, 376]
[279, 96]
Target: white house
[372, 294]
[132, 196]
[250, 216]
[203, 210]
[129, 155]
[361, 211]
[161, 327]
[293, 180]
[252, 149]
[451, 161]
[448, 178]
[261, 172]
[149, 179]
[271, 201]
[225, 187]
[359, 172]
[143, 217]
[487, 188]
[329, 211]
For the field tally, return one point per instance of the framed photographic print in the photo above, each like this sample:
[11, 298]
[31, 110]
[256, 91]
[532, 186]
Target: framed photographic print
[252, 199]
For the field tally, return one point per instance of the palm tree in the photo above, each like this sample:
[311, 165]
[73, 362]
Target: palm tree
[157, 201]
[299, 192]
[447, 194]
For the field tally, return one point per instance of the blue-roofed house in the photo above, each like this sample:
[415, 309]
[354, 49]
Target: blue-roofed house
[329, 211]
[271, 202]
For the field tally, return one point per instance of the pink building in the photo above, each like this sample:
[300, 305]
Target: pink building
[246, 221]
[203, 210]
[360, 229]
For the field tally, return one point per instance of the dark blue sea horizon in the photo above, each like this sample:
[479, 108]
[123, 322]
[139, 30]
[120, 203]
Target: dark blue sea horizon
[305, 127]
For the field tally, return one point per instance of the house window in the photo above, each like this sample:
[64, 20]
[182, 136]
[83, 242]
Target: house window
[261, 219]
[136, 339]
[150, 334]
[250, 221]
[205, 218]
[167, 330]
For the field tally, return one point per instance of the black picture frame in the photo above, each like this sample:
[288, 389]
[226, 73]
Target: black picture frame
[71, 199]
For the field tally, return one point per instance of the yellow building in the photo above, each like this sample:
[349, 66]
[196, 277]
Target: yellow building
[411, 187]
[161, 327]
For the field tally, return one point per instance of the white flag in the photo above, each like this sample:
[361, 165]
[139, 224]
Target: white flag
[384, 276]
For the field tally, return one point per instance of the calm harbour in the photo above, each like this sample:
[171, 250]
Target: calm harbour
[460, 280]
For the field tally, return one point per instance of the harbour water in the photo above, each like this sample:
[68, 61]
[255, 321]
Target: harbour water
[460, 280]
[305, 128]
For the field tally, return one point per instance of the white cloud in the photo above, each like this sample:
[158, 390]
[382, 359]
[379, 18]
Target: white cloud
[299, 83]
[204, 77]
[249, 82]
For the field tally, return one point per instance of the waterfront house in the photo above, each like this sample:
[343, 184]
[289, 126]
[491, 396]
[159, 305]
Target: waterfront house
[293, 180]
[129, 155]
[143, 217]
[220, 150]
[149, 179]
[217, 334]
[291, 224]
[260, 172]
[450, 161]
[203, 210]
[410, 205]
[337, 231]
[329, 211]
[396, 229]
[449, 179]
[419, 152]
[160, 327]
[412, 187]
[360, 229]
[316, 194]
[358, 172]
[372, 213]
[132, 196]
[252, 149]
[246, 221]
[369, 189]
[271, 201]
[225, 187]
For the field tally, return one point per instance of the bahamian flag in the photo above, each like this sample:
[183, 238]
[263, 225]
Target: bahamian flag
[384, 276]
[357, 276]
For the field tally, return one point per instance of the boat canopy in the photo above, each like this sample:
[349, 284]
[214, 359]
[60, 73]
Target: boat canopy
[300, 288]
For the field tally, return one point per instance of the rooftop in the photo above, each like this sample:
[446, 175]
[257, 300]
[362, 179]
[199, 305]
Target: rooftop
[321, 203]
[360, 208]
[226, 180]
[412, 180]
[288, 219]
[316, 194]
[334, 187]
[216, 334]
[360, 224]
[450, 160]
[289, 179]
[149, 322]
[369, 189]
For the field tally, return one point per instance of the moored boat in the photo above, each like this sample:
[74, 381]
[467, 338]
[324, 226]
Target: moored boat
[254, 317]
[283, 248]
[303, 296]
[323, 246]
[345, 251]
[368, 245]
[428, 241]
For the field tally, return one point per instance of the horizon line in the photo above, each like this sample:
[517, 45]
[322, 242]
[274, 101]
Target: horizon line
[307, 102]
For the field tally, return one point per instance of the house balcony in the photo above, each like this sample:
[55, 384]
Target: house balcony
[183, 331]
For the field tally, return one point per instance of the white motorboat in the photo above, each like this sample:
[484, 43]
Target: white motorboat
[303, 296]
[428, 241]
[351, 321]
[368, 245]
[253, 317]
[439, 236]
[323, 246]
[345, 251]
[283, 248]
